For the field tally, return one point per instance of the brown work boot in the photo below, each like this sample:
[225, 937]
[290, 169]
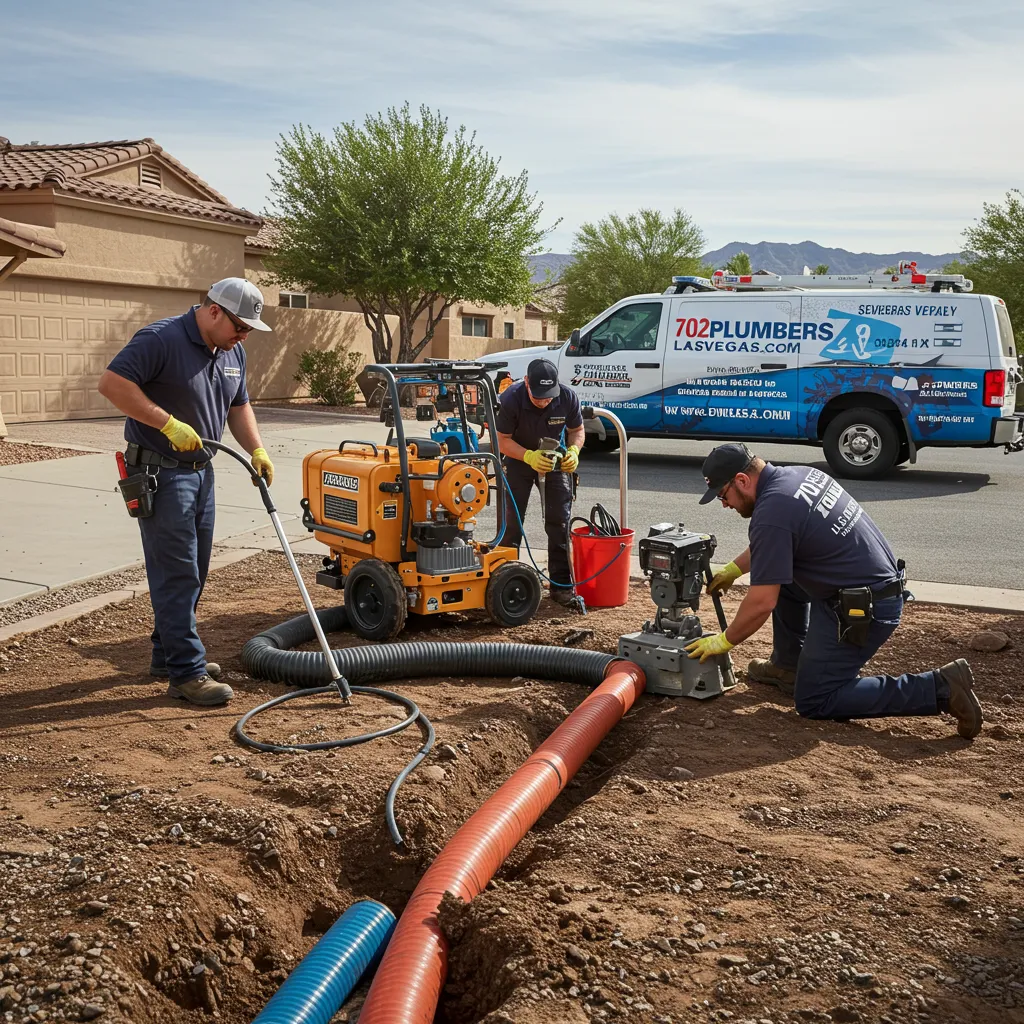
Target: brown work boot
[766, 671]
[561, 595]
[964, 705]
[202, 691]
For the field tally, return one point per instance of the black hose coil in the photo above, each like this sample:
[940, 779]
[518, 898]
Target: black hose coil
[267, 656]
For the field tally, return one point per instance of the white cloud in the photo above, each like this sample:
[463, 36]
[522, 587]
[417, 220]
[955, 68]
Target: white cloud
[871, 126]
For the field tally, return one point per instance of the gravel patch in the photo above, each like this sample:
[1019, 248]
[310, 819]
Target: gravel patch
[12, 453]
[123, 579]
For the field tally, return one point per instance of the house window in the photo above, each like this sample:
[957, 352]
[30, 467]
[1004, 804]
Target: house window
[476, 327]
[510, 330]
[294, 300]
[543, 331]
[149, 175]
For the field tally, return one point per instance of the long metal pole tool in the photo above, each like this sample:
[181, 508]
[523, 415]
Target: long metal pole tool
[336, 677]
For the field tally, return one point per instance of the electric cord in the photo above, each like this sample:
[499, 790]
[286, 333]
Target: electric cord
[533, 561]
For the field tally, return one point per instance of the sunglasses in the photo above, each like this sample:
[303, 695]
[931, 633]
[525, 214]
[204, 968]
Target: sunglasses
[235, 322]
[725, 490]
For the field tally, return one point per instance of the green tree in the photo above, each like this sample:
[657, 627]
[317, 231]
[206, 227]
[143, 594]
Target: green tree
[891, 270]
[620, 256]
[821, 269]
[994, 259]
[405, 217]
[739, 264]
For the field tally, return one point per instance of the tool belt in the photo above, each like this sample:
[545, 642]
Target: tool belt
[136, 455]
[855, 606]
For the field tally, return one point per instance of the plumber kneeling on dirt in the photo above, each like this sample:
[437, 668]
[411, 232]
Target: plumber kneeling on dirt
[827, 577]
[179, 380]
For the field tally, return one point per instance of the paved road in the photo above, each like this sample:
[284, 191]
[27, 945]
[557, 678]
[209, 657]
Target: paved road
[953, 516]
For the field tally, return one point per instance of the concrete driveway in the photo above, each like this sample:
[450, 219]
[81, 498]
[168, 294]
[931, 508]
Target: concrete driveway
[64, 520]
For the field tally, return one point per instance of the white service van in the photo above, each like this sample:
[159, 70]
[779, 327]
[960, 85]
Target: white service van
[871, 367]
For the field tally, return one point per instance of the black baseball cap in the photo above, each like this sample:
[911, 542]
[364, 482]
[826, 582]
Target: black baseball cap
[542, 375]
[722, 465]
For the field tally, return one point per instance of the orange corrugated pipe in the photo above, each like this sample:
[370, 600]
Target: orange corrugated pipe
[408, 982]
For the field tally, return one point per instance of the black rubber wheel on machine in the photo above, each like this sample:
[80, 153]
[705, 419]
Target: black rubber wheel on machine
[375, 600]
[513, 594]
[861, 444]
[593, 445]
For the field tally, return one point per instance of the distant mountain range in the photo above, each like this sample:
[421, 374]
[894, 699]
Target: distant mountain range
[780, 258]
[788, 258]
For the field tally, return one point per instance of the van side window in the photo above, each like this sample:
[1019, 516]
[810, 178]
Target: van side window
[629, 329]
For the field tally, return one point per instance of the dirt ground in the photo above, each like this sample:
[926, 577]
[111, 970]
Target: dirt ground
[720, 860]
[13, 453]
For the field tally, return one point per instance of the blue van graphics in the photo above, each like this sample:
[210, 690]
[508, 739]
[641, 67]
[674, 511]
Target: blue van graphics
[938, 404]
[863, 340]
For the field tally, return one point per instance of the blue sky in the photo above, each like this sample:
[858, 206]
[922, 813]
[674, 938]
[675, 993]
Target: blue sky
[870, 126]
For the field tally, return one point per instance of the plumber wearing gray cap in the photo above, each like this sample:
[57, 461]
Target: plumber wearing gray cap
[176, 381]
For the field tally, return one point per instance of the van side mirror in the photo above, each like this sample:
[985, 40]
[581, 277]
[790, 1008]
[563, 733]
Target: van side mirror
[573, 348]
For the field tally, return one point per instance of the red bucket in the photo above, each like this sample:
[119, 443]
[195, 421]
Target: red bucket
[607, 559]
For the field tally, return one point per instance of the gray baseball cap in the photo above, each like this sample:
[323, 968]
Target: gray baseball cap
[242, 298]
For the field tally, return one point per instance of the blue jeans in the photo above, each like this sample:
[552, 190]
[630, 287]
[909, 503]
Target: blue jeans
[806, 639]
[177, 540]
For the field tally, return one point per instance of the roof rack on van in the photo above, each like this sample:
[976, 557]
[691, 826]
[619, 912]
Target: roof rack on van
[905, 277]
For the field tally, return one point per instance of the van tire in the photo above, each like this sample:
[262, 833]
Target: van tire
[861, 444]
[595, 445]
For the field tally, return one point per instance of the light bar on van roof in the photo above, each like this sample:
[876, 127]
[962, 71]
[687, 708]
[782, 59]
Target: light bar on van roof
[689, 283]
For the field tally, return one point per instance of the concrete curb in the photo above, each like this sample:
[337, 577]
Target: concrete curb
[91, 604]
[981, 599]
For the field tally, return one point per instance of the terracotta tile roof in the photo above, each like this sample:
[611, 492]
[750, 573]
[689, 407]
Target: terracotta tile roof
[267, 236]
[34, 240]
[68, 168]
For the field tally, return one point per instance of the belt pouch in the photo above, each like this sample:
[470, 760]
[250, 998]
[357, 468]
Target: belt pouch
[138, 491]
[854, 607]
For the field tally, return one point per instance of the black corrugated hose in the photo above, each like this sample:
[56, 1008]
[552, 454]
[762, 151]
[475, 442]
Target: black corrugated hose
[268, 656]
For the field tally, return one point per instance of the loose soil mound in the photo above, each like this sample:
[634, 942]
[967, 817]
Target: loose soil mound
[712, 861]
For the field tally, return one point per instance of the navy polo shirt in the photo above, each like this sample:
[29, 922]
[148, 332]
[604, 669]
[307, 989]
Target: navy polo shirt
[176, 369]
[807, 530]
[527, 424]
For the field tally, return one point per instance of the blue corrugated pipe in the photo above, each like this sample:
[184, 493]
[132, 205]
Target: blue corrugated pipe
[314, 992]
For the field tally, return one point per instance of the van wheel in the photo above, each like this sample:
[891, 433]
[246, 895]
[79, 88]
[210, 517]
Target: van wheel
[861, 444]
[595, 446]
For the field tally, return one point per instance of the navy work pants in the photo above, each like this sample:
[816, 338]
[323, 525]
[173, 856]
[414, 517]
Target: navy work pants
[828, 683]
[177, 540]
[521, 480]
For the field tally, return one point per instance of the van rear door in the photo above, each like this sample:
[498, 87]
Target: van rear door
[1004, 354]
[732, 366]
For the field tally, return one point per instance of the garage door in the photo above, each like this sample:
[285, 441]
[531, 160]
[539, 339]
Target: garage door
[57, 337]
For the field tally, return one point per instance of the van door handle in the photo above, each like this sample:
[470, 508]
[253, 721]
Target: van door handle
[774, 366]
[647, 366]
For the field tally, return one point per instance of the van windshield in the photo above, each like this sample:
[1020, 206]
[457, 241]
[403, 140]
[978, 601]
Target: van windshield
[1005, 329]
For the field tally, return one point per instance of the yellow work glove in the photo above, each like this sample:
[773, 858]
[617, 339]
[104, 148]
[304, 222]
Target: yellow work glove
[708, 646]
[263, 466]
[571, 459]
[540, 461]
[724, 578]
[181, 436]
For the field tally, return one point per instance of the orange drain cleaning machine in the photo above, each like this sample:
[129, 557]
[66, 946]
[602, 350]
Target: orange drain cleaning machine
[399, 518]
